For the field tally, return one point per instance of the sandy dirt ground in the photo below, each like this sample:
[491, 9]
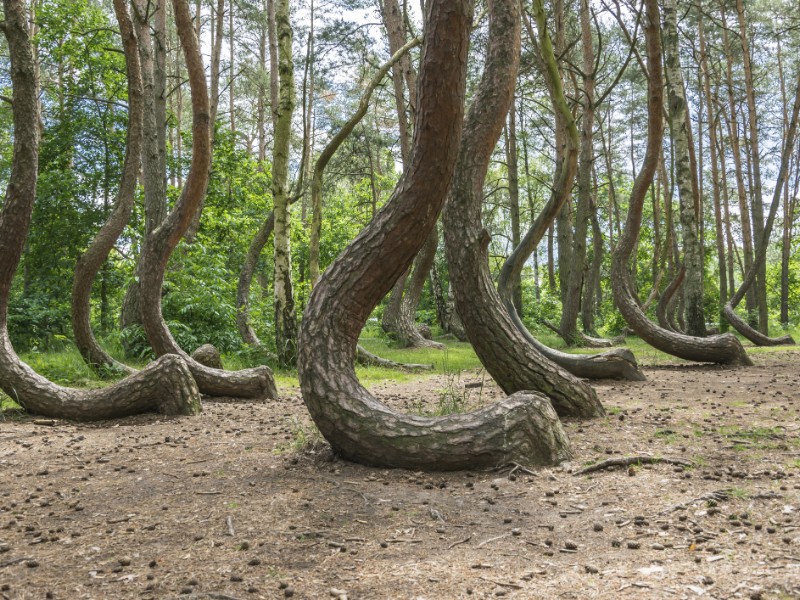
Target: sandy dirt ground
[247, 502]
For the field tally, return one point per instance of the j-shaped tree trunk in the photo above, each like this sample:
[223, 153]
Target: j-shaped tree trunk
[250, 383]
[523, 428]
[407, 332]
[612, 364]
[725, 348]
[260, 239]
[166, 385]
[760, 258]
[92, 260]
[503, 350]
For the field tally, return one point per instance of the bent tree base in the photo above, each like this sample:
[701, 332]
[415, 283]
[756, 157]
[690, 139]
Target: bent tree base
[722, 349]
[165, 386]
[523, 428]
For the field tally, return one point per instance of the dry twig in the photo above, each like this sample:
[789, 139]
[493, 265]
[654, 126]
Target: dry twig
[627, 461]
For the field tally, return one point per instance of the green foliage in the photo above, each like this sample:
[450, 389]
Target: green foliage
[84, 118]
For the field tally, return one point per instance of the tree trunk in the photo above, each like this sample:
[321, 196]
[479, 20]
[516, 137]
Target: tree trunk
[503, 350]
[761, 250]
[757, 188]
[786, 241]
[250, 383]
[285, 314]
[92, 260]
[522, 428]
[232, 71]
[716, 182]
[588, 302]
[166, 385]
[568, 328]
[513, 198]
[733, 134]
[612, 364]
[720, 349]
[152, 50]
[408, 335]
[684, 174]
[249, 267]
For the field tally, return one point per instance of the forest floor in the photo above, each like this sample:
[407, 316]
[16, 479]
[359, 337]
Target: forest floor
[245, 501]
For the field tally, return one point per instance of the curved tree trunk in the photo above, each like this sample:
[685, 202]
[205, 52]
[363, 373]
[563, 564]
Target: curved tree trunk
[667, 299]
[249, 266]
[167, 384]
[250, 383]
[614, 364]
[407, 332]
[503, 350]
[724, 349]
[760, 258]
[523, 428]
[92, 260]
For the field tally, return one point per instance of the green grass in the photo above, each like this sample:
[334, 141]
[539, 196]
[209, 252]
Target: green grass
[66, 366]
[305, 436]
[8, 407]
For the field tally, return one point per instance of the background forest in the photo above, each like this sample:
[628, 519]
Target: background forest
[737, 61]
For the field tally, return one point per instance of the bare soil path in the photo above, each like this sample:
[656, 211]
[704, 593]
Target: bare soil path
[245, 502]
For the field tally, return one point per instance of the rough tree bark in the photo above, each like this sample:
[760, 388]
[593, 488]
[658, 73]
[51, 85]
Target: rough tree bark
[250, 383]
[503, 350]
[760, 257]
[523, 428]
[166, 385]
[399, 315]
[92, 260]
[725, 348]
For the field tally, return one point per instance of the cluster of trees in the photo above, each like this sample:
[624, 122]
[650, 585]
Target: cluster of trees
[193, 174]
